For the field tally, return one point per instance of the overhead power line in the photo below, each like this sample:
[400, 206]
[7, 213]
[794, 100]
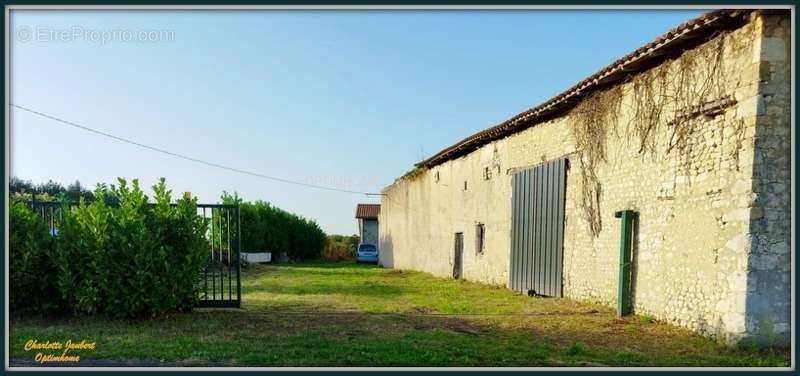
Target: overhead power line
[188, 158]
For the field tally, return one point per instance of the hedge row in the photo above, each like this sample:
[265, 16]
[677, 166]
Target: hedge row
[269, 228]
[129, 260]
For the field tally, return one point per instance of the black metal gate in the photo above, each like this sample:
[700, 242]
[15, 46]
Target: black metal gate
[537, 229]
[221, 283]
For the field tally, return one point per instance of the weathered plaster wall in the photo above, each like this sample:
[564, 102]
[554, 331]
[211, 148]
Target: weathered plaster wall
[711, 251]
[369, 231]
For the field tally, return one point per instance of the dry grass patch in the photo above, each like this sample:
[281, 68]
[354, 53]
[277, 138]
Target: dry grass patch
[340, 314]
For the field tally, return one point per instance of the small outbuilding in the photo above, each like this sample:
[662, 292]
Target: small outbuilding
[367, 216]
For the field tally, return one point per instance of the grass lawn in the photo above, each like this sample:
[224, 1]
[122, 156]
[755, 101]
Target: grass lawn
[343, 314]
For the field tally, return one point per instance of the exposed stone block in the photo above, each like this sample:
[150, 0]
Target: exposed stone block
[771, 49]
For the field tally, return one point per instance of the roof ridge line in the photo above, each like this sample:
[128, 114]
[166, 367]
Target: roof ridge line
[587, 85]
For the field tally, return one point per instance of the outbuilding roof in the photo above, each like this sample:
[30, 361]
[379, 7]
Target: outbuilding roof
[669, 45]
[368, 211]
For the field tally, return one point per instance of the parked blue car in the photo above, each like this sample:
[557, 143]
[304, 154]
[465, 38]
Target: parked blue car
[367, 253]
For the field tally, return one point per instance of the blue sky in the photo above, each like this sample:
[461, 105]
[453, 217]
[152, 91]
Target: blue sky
[350, 99]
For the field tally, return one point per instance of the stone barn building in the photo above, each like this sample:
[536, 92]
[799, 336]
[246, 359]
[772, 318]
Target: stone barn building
[691, 132]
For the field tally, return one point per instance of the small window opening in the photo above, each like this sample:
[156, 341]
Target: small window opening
[479, 236]
[487, 173]
[436, 176]
[465, 185]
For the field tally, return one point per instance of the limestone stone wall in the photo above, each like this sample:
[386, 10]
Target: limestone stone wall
[711, 246]
[767, 307]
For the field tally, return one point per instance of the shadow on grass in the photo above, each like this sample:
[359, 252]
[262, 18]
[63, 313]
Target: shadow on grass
[325, 265]
[344, 268]
[264, 338]
[318, 332]
[340, 278]
[364, 290]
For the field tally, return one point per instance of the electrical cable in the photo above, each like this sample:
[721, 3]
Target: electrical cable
[188, 158]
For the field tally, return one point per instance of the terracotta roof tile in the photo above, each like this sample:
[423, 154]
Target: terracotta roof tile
[368, 211]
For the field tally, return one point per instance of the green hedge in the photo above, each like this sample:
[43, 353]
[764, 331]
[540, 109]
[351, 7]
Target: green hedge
[32, 274]
[130, 260]
[268, 228]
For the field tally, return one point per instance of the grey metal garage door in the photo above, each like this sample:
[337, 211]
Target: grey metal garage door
[537, 228]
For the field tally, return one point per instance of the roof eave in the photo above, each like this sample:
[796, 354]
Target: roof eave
[651, 54]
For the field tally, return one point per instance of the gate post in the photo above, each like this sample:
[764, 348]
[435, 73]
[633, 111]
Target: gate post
[238, 256]
[624, 288]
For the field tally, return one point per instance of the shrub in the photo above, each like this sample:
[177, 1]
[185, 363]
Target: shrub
[183, 245]
[32, 272]
[82, 233]
[129, 260]
[340, 247]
